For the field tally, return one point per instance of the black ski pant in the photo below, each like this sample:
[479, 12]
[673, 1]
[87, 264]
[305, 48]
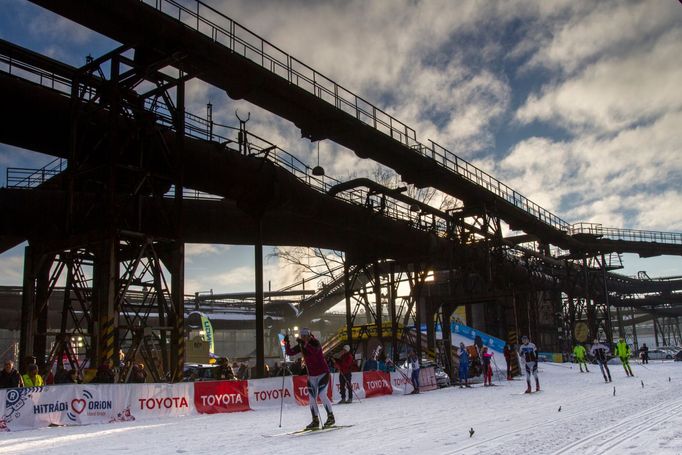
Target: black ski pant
[346, 383]
[604, 369]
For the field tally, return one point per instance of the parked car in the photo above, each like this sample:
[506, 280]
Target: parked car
[195, 372]
[678, 356]
[442, 378]
[660, 354]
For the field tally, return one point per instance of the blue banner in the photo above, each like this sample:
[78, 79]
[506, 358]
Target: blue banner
[470, 333]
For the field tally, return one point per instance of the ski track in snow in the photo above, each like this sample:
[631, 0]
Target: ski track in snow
[592, 421]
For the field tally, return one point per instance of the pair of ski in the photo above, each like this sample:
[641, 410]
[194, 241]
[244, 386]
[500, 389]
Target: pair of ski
[307, 431]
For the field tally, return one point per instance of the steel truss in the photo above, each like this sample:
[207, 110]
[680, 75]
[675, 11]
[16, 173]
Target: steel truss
[117, 296]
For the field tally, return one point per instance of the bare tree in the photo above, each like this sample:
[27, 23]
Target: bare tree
[312, 263]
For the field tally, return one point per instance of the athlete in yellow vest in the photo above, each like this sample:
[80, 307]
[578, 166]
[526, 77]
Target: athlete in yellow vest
[623, 352]
[580, 354]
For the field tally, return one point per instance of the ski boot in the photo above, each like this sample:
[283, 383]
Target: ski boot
[350, 400]
[537, 385]
[315, 424]
[343, 401]
[330, 420]
[528, 389]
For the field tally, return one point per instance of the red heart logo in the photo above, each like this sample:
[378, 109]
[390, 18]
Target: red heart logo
[78, 405]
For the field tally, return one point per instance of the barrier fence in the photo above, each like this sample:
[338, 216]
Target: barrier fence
[83, 404]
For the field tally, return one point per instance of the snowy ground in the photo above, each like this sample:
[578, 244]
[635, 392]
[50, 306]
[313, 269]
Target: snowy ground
[592, 420]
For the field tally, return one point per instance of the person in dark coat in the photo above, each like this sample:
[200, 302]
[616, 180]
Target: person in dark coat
[644, 353]
[10, 377]
[74, 378]
[105, 373]
[61, 376]
[138, 373]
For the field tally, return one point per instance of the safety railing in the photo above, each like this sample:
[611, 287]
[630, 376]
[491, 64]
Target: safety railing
[227, 32]
[629, 235]
[201, 128]
[238, 39]
[19, 177]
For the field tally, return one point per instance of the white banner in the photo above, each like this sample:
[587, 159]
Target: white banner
[269, 392]
[356, 381]
[151, 401]
[3, 425]
[61, 405]
[401, 382]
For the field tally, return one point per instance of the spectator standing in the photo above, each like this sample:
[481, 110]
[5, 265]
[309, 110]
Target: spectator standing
[138, 373]
[224, 370]
[415, 366]
[644, 353]
[318, 375]
[580, 354]
[10, 377]
[61, 376]
[105, 373]
[32, 378]
[463, 366]
[600, 352]
[243, 372]
[487, 367]
[74, 378]
[344, 364]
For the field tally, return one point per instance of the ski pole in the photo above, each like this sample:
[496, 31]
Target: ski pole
[499, 372]
[352, 389]
[399, 370]
[284, 370]
[281, 398]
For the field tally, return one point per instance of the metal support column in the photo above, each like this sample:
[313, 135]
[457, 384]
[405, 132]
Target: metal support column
[42, 297]
[27, 305]
[377, 300]
[394, 318]
[104, 296]
[349, 312]
[177, 255]
[260, 331]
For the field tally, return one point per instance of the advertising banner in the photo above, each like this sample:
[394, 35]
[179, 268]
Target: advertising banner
[75, 404]
[269, 392]
[3, 425]
[376, 383]
[151, 401]
[211, 397]
[401, 383]
[471, 334]
[427, 379]
[301, 389]
[356, 381]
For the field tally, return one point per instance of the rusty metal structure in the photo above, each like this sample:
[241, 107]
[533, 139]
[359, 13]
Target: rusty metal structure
[136, 177]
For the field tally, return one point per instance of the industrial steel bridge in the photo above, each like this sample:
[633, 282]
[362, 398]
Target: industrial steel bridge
[136, 177]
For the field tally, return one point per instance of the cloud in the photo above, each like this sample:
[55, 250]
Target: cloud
[618, 181]
[614, 92]
[11, 270]
[197, 250]
[612, 28]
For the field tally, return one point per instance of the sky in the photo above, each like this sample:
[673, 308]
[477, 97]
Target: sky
[575, 105]
[574, 413]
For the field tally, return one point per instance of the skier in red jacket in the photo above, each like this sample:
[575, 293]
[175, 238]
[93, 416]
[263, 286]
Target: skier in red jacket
[318, 375]
[344, 364]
